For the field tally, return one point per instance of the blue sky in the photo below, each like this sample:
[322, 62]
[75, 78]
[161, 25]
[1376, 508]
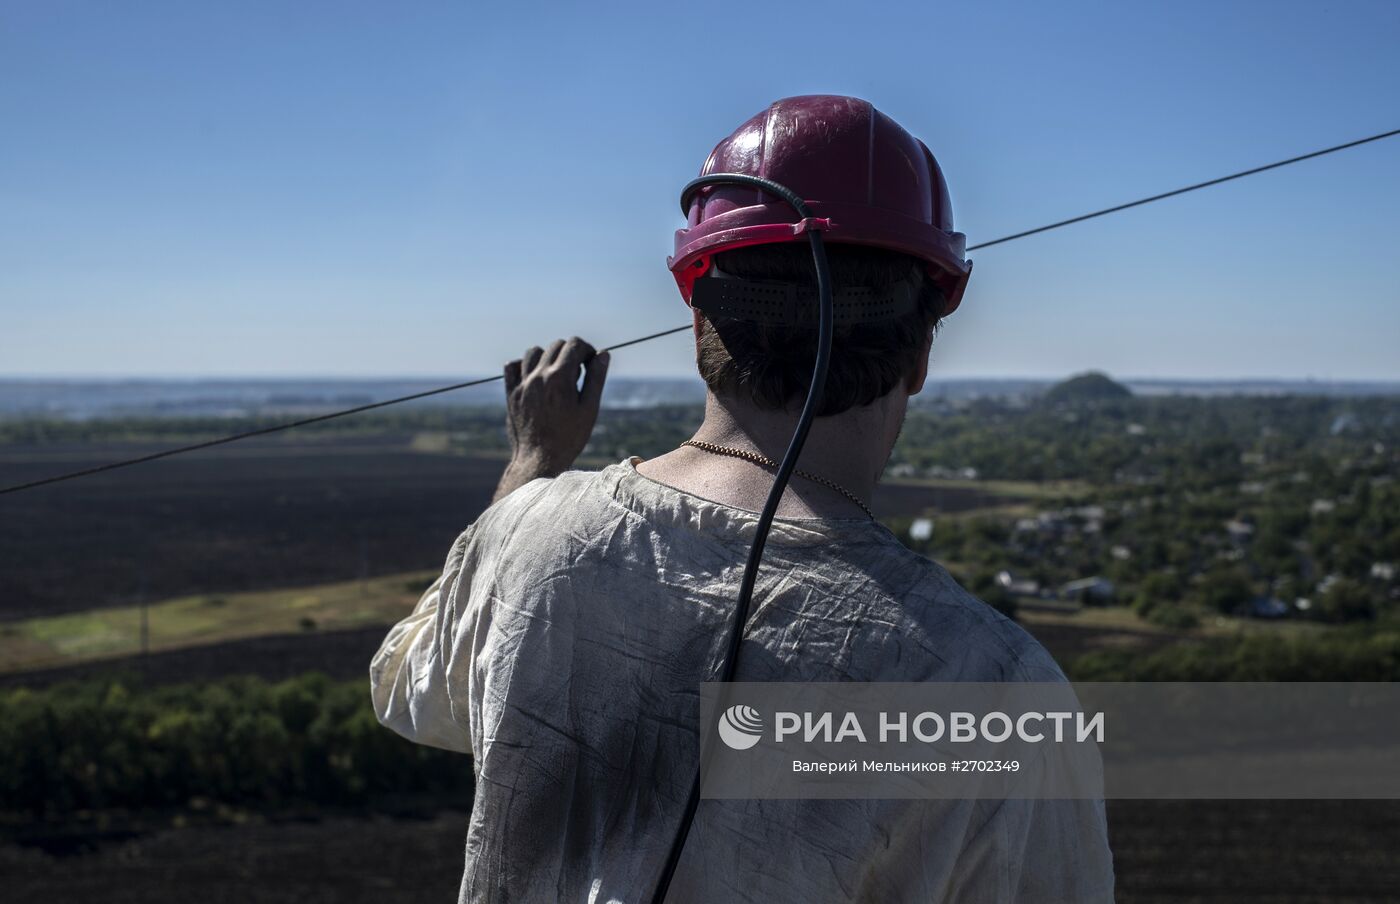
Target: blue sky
[374, 189]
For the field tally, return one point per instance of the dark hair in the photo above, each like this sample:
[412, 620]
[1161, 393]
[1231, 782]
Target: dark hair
[771, 365]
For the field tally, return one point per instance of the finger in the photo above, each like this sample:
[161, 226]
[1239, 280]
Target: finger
[512, 375]
[575, 353]
[531, 360]
[552, 354]
[595, 372]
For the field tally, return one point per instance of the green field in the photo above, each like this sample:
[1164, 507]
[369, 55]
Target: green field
[82, 637]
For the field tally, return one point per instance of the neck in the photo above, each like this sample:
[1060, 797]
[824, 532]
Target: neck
[849, 449]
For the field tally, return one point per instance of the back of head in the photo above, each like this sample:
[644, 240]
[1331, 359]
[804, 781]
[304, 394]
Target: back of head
[878, 197]
[770, 365]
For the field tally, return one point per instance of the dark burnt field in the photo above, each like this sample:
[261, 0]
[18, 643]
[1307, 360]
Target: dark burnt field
[1260, 852]
[258, 515]
[261, 514]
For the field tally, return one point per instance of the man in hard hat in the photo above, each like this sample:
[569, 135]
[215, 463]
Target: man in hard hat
[566, 641]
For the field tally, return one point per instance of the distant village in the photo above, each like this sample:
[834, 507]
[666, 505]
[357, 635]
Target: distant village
[1265, 508]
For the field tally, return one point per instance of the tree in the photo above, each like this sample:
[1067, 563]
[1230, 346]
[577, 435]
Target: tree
[1344, 600]
[1223, 589]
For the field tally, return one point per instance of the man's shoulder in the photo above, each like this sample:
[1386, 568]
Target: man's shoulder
[943, 613]
[546, 490]
[544, 500]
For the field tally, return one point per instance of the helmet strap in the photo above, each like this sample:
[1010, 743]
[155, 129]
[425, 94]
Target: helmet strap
[718, 294]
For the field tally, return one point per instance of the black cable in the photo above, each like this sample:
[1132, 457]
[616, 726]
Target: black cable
[408, 398]
[765, 519]
[1181, 191]
[262, 431]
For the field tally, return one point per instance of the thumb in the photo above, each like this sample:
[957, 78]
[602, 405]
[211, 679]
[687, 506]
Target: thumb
[595, 372]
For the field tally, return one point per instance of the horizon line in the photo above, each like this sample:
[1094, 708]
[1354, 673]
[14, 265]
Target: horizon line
[445, 379]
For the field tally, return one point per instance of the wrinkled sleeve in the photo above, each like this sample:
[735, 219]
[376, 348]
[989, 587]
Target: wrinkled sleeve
[1037, 851]
[1065, 853]
[409, 678]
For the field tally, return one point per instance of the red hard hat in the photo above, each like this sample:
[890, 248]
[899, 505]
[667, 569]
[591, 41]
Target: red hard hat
[867, 180]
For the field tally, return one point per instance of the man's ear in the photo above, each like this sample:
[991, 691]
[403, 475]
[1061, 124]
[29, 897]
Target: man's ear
[916, 380]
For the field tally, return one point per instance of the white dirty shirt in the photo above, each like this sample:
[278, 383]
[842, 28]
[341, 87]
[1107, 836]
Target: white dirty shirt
[564, 646]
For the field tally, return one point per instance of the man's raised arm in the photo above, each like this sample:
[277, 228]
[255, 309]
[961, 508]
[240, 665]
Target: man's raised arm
[415, 678]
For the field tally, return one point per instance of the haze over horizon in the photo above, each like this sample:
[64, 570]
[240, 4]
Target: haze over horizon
[445, 379]
[54, 398]
[334, 190]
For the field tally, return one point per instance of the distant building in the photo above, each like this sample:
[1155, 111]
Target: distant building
[1267, 607]
[1089, 590]
[1017, 586]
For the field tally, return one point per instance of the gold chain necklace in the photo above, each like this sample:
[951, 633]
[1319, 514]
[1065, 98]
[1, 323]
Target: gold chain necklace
[770, 463]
